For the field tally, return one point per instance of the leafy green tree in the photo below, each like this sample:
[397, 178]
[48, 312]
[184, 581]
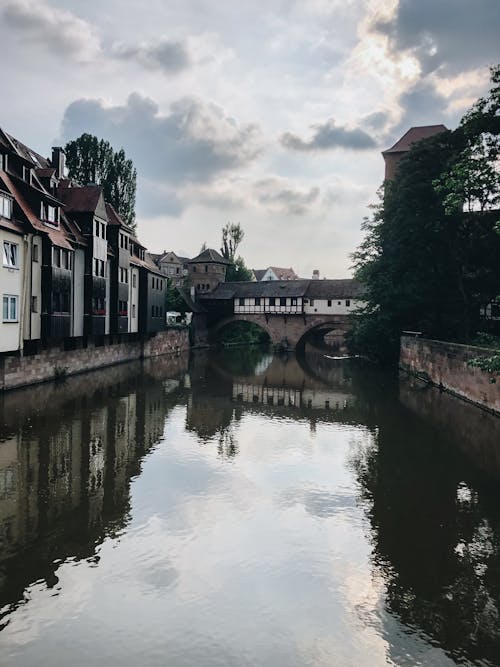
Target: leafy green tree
[93, 160]
[232, 236]
[429, 259]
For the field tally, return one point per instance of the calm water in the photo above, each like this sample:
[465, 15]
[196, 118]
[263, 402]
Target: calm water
[244, 509]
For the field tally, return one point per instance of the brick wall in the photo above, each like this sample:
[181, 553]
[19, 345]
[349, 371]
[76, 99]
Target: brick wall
[56, 362]
[445, 364]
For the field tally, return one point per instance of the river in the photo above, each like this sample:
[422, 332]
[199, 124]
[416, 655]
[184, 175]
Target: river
[242, 508]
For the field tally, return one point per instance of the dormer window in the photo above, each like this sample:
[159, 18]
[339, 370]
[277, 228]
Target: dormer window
[27, 174]
[52, 214]
[5, 206]
[3, 162]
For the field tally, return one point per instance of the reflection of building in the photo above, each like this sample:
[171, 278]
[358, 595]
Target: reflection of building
[65, 473]
[314, 399]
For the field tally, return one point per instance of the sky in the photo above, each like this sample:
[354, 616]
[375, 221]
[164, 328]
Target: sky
[269, 114]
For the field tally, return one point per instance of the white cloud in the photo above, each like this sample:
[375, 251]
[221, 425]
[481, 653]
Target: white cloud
[59, 31]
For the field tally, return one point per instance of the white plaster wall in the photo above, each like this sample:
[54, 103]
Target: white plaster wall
[11, 283]
[338, 307]
[265, 307]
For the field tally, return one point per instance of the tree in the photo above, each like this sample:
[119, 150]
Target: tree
[429, 259]
[232, 236]
[93, 160]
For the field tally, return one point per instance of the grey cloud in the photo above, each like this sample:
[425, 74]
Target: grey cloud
[422, 104]
[193, 143]
[451, 34]
[376, 120]
[328, 136]
[169, 56]
[273, 193]
[59, 31]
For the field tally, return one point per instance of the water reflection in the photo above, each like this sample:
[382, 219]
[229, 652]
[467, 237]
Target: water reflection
[67, 454]
[334, 514]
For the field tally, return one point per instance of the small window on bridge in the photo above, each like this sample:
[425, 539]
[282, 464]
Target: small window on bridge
[257, 301]
[348, 302]
[272, 301]
[282, 301]
[311, 302]
[329, 303]
[294, 301]
[241, 302]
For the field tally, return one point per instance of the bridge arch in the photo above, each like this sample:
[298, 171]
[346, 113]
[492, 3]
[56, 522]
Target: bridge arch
[216, 329]
[284, 329]
[327, 324]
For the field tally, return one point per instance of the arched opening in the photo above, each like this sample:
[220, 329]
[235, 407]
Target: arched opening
[241, 332]
[328, 336]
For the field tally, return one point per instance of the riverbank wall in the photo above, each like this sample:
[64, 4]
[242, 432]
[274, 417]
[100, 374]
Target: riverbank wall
[446, 365]
[55, 363]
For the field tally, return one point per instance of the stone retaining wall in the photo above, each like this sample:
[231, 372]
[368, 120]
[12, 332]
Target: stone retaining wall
[446, 365]
[54, 363]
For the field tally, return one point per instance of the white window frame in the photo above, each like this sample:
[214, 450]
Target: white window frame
[11, 299]
[5, 206]
[11, 261]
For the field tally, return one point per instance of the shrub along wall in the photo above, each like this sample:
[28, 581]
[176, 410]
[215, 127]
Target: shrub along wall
[446, 365]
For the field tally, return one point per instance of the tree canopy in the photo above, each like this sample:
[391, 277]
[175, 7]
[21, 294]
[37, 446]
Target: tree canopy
[93, 160]
[429, 259]
[232, 236]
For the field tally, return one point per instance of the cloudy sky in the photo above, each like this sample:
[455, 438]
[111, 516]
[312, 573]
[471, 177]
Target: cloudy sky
[271, 114]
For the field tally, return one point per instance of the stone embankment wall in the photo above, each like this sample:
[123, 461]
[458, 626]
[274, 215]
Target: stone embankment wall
[56, 363]
[446, 365]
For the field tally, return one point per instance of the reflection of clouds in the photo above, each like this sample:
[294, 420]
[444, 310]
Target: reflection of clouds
[321, 503]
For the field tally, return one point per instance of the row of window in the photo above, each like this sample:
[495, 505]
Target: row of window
[60, 257]
[99, 267]
[123, 308]
[98, 306]
[123, 275]
[213, 269]
[123, 241]
[203, 287]
[157, 283]
[100, 229]
[293, 301]
[60, 302]
[156, 311]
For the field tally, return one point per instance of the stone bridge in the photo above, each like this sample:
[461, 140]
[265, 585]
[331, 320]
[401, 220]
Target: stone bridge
[288, 330]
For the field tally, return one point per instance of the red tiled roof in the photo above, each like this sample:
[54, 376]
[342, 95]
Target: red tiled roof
[209, 255]
[284, 274]
[82, 199]
[413, 135]
[57, 236]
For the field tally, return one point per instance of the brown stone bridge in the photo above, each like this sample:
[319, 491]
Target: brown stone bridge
[285, 329]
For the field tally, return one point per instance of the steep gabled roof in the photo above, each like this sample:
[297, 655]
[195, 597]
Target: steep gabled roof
[413, 135]
[284, 273]
[346, 288]
[259, 273]
[84, 199]
[27, 153]
[209, 255]
[268, 288]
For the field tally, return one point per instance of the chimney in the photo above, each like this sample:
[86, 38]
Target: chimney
[315, 274]
[58, 161]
